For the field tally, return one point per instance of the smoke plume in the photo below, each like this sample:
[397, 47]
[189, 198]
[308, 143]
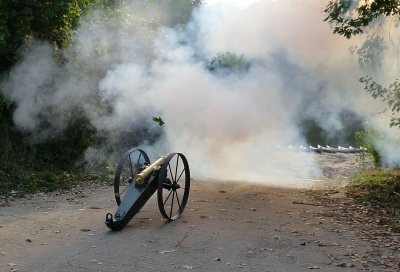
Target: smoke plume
[120, 74]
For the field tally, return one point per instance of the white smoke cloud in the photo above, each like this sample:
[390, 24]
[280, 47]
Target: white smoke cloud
[228, 125]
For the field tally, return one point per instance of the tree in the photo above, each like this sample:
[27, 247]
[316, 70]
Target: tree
[60, 22]
[52, 20]
[20, 21]
[350, 18]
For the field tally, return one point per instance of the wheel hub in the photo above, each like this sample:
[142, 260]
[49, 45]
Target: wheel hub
[169, 185]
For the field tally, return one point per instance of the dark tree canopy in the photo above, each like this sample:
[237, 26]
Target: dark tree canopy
[57, 22]
[52, 20]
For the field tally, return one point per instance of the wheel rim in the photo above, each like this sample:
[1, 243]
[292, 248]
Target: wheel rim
[173, 186]
[131, 163]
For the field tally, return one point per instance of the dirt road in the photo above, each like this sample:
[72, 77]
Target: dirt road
[226, 227]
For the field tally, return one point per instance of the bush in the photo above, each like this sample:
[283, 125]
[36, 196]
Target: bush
[228, 63]
[369, 139]
[380, 187]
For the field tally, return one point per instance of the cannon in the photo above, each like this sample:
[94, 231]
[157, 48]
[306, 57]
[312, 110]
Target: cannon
[136, 180]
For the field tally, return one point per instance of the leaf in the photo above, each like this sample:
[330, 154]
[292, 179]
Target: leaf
[159, 121]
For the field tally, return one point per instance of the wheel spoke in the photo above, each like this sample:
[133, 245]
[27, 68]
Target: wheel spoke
[183, 170]
[170, 171]
[168, 197]
[172, 205]
[130, 164]
[179, 203]
[124, 190]
[176, 168]
[140, 155]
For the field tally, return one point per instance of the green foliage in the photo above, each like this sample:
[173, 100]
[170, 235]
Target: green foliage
[110, 13]
[17, 181]
[22, 164]
[369, 139]
[181, 9]
[349, 18]
[229, 62]
[390, 95]
[169, 12]
[377, 186]
[62, 151]
[51, 20]
[5, 127]
[20, 21]
[56, 22]
[370, 53]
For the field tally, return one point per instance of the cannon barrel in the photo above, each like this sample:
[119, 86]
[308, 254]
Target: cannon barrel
[148, 171]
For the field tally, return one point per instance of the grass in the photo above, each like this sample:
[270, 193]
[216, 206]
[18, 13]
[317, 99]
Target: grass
[380, 188]
[17, 182]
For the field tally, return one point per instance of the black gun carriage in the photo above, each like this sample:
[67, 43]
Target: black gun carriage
[136, 180]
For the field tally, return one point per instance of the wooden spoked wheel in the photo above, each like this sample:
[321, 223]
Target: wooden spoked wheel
[173, 186]
[131, 163]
